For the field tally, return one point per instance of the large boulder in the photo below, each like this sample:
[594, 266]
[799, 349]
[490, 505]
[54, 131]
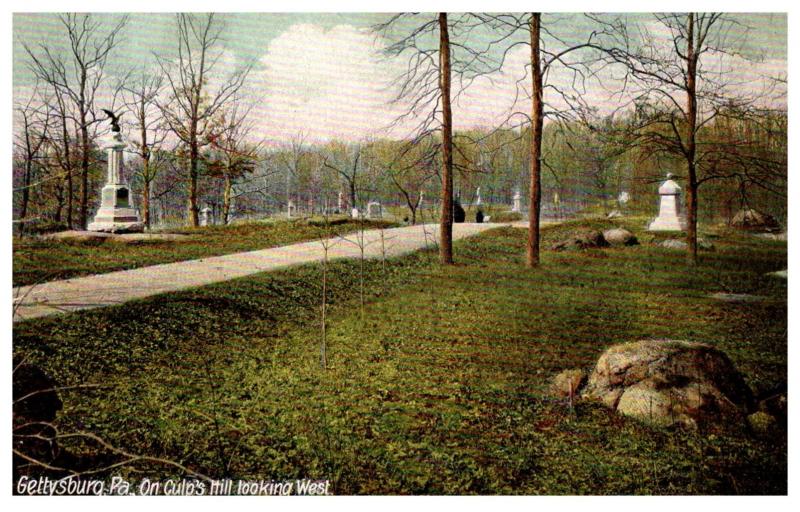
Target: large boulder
[754, 220]
[585, 239]
[619, 236]
[668, 382]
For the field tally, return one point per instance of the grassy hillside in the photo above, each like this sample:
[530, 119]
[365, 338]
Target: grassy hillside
[437, 386]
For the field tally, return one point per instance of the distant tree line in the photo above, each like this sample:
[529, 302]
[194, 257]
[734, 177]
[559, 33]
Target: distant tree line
[193, 140]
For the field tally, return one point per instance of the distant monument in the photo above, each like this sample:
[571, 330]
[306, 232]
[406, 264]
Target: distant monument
[205, 216]
[339, 202]
[116, 213]
[516, 207]
[478, 201]
[374, 210]
[669, 211]
[290, 209]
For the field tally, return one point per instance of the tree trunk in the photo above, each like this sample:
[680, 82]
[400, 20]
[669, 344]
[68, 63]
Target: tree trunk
[84, 204]
[193, 155]
[226, 199]
[146, 203]
[144, 149]
[26, 195]
[536, 144]
[68, 168]
[59, 206]
[70, 198]
[446, 222]
[352, 185]
[691, 126]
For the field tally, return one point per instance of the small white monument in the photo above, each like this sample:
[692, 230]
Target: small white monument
[205, 215]
[669, 211]
[290, 209]
[516, 207]
[117, 213]
[374, 210]
[339, 202]
[478, 201]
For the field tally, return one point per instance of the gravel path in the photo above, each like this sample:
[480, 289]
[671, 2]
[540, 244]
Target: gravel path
[117, 287]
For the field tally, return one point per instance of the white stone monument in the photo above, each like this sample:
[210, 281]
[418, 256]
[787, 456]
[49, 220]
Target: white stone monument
[205, 215]
[669, 211]
[354, 213]
[478, 201]
[117, 213]
[339, 202]
[516, 207]
[371, 210]
[290, 209]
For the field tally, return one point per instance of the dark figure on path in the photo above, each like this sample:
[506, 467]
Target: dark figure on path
[459, 215]
[479, 217]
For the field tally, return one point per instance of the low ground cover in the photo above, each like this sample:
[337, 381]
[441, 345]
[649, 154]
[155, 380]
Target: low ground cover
[438, 385]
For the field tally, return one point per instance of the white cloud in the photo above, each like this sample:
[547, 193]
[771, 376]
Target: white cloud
[324, 84]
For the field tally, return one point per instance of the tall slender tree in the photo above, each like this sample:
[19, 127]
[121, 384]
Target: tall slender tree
[190, 107]
[140, 94]
[446, 222]
[34, 120]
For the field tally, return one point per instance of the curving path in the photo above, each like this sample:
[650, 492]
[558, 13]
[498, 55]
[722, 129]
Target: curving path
[117, 287]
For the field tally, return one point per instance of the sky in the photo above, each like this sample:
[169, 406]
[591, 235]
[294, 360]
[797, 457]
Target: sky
[324, 76]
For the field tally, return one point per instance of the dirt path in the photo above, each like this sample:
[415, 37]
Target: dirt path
[117, 287]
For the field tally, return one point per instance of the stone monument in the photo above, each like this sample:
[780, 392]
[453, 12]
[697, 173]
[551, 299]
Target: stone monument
[372, 206]
[290, 209]
[478, 201]
[669, 211]
[205, 216]
[117, 213]
[516, 207]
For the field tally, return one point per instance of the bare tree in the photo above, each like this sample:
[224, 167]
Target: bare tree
[677, 97]
[30, 141]
[191, 105]
[290, 159]
[346, 162]
[140, 95]
[237, 155]
[549, 51]
[446, 222]
[61, 151]
[79, 77]
[426, 82]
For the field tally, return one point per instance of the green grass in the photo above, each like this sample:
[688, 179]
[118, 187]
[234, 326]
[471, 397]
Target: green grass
[438, 387]
[38, 260]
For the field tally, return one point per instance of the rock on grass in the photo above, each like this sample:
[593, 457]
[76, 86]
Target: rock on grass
[668, 382]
